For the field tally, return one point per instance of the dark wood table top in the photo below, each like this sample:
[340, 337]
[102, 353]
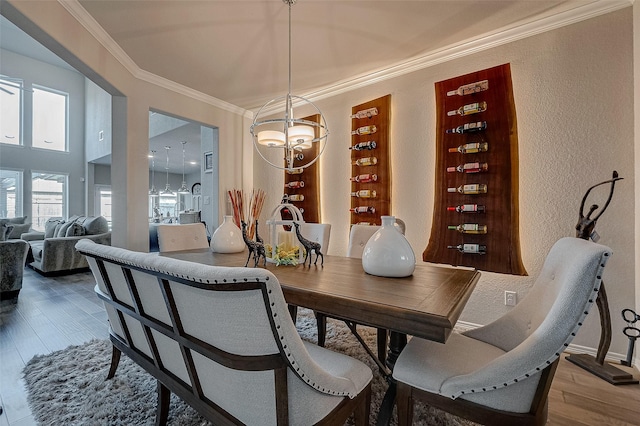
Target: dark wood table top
[426, 304]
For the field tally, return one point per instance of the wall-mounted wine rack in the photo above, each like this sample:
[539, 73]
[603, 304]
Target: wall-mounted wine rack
[475, 217]
[370, 166]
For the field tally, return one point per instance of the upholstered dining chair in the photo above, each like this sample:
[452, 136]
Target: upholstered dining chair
[358, 238]
[317, 232]
[500, 374]
[182, 237]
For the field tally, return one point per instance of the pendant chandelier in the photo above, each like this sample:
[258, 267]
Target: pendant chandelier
[153, 192]
[183, 189]
[292, 135]
[167, 189]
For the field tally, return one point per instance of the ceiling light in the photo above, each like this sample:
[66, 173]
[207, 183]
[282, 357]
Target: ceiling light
[183, 189]
[153, 192]
[288, 133]
[167, 189]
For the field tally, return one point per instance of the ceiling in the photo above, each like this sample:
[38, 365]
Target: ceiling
[236, 51]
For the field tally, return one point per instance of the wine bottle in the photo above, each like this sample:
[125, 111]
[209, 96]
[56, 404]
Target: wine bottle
[467, 89]
[469, 228]
[471, 148]
[363, 209]
[366, 161]
[295, 171]
[365, 113]
[474, 188]
[467, 208]
[469, 127]
[470, 248]
[361, 146]
[364, 178]
[469, 109]
[365, 193]
[295, 184]
[469, 168]
[296, 197]
[365, 130]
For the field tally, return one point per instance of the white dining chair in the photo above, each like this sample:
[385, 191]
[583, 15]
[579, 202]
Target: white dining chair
[500, 374]
[182, 237]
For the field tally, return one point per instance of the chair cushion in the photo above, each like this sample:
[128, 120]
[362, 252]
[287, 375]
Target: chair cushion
[13, 220]
[19, 229]
[438, 362]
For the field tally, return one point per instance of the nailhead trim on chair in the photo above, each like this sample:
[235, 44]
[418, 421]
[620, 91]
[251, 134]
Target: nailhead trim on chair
[557, 354]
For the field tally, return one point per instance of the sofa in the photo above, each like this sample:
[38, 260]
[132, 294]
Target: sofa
[13, 254]
[54, 250]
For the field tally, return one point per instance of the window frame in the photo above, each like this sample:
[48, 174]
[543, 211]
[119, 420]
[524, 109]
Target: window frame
[65, 198]
[20, 92]
[19, 194]
[66, 96]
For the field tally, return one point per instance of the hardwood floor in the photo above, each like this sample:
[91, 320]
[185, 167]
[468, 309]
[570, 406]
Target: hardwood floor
[55, 312]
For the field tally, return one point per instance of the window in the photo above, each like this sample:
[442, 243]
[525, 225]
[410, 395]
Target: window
[103, 202]
[10, 193]
[49, 197]
[49, 119]
[10, 111]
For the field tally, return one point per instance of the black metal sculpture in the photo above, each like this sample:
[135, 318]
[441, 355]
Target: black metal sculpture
[585, 229]
[309, 246]
[255, 248]
[632, 332]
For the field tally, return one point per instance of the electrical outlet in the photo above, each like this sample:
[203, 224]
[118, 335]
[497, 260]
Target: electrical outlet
[510, 298]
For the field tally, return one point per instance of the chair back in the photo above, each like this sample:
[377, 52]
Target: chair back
[358, 237]
[182, 237]
[537, 330]
[219, 337]
[317, 232]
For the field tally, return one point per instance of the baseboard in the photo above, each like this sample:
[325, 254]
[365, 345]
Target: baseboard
[612, 357]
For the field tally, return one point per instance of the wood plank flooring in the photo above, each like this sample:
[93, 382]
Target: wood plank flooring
[55, 312]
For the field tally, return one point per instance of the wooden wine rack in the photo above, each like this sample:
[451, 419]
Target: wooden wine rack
[311, 179]
[501, 200]
[382, 201]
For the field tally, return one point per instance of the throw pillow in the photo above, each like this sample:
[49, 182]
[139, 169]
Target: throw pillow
[5, 230]
[62, 232]
[75, 230]
[19, 229]
[50, 227]
[56, 230]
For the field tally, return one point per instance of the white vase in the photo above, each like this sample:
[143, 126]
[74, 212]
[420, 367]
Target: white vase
[227, 238]
[388, 253]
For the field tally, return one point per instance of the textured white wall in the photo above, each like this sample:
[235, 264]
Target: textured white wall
[574, 105]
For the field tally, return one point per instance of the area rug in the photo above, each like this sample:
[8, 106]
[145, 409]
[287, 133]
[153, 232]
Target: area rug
[68, 387]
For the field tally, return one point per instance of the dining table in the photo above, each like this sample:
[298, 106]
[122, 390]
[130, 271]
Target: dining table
[426, 304]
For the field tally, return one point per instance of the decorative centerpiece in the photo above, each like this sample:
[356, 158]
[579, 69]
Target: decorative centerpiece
[388, 253]
[284, 247]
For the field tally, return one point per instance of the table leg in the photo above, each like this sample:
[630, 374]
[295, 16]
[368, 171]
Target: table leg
[397, 342]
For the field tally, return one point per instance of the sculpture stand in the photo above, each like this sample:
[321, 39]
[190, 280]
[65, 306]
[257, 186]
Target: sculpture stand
[585, 230]
[596, 365]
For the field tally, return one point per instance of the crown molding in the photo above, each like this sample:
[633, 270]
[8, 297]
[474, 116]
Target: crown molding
[471, 46]
[95, 29]
[448, 53]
